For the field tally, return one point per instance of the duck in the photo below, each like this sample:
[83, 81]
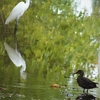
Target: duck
[84, 82]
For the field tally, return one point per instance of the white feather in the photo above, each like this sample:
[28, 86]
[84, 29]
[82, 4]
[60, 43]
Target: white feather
[18, 11]
[15, 57]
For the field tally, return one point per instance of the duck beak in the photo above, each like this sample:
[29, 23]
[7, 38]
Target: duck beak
[74, 74]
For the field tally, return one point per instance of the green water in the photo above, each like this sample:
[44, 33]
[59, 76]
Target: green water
[34, 87]
[37, 86]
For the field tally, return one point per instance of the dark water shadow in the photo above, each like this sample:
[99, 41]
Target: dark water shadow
[86, 96]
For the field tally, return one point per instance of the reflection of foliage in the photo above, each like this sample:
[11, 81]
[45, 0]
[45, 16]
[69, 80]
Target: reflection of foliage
[50, 35]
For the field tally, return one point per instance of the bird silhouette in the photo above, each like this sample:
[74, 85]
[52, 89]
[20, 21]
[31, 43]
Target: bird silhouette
[84, 82]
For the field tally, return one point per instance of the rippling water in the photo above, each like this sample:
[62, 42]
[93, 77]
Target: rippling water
[37, 87]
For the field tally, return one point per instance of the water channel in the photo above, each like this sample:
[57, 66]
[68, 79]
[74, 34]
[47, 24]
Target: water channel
[39, 87]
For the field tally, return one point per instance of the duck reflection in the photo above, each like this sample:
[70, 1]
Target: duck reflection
[86, 97]
[16, 58]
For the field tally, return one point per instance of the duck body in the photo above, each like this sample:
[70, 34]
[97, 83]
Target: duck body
[84, 82]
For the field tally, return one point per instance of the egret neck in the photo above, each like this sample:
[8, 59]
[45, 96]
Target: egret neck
[23, 68]
[27, 4]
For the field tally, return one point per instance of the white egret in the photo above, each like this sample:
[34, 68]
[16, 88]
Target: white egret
[17, 12]
[16, 58]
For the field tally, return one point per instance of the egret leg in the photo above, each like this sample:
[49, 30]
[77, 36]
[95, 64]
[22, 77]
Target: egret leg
[16, 26]
[15, 41]
[15, 30]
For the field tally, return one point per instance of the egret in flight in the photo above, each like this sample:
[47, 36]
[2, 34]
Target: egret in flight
[17, 12]
[16, 58]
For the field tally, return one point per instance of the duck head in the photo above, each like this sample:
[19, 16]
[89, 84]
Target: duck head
[80, 72]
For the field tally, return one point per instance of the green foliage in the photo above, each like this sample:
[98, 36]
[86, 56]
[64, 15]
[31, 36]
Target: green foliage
[50, 36]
